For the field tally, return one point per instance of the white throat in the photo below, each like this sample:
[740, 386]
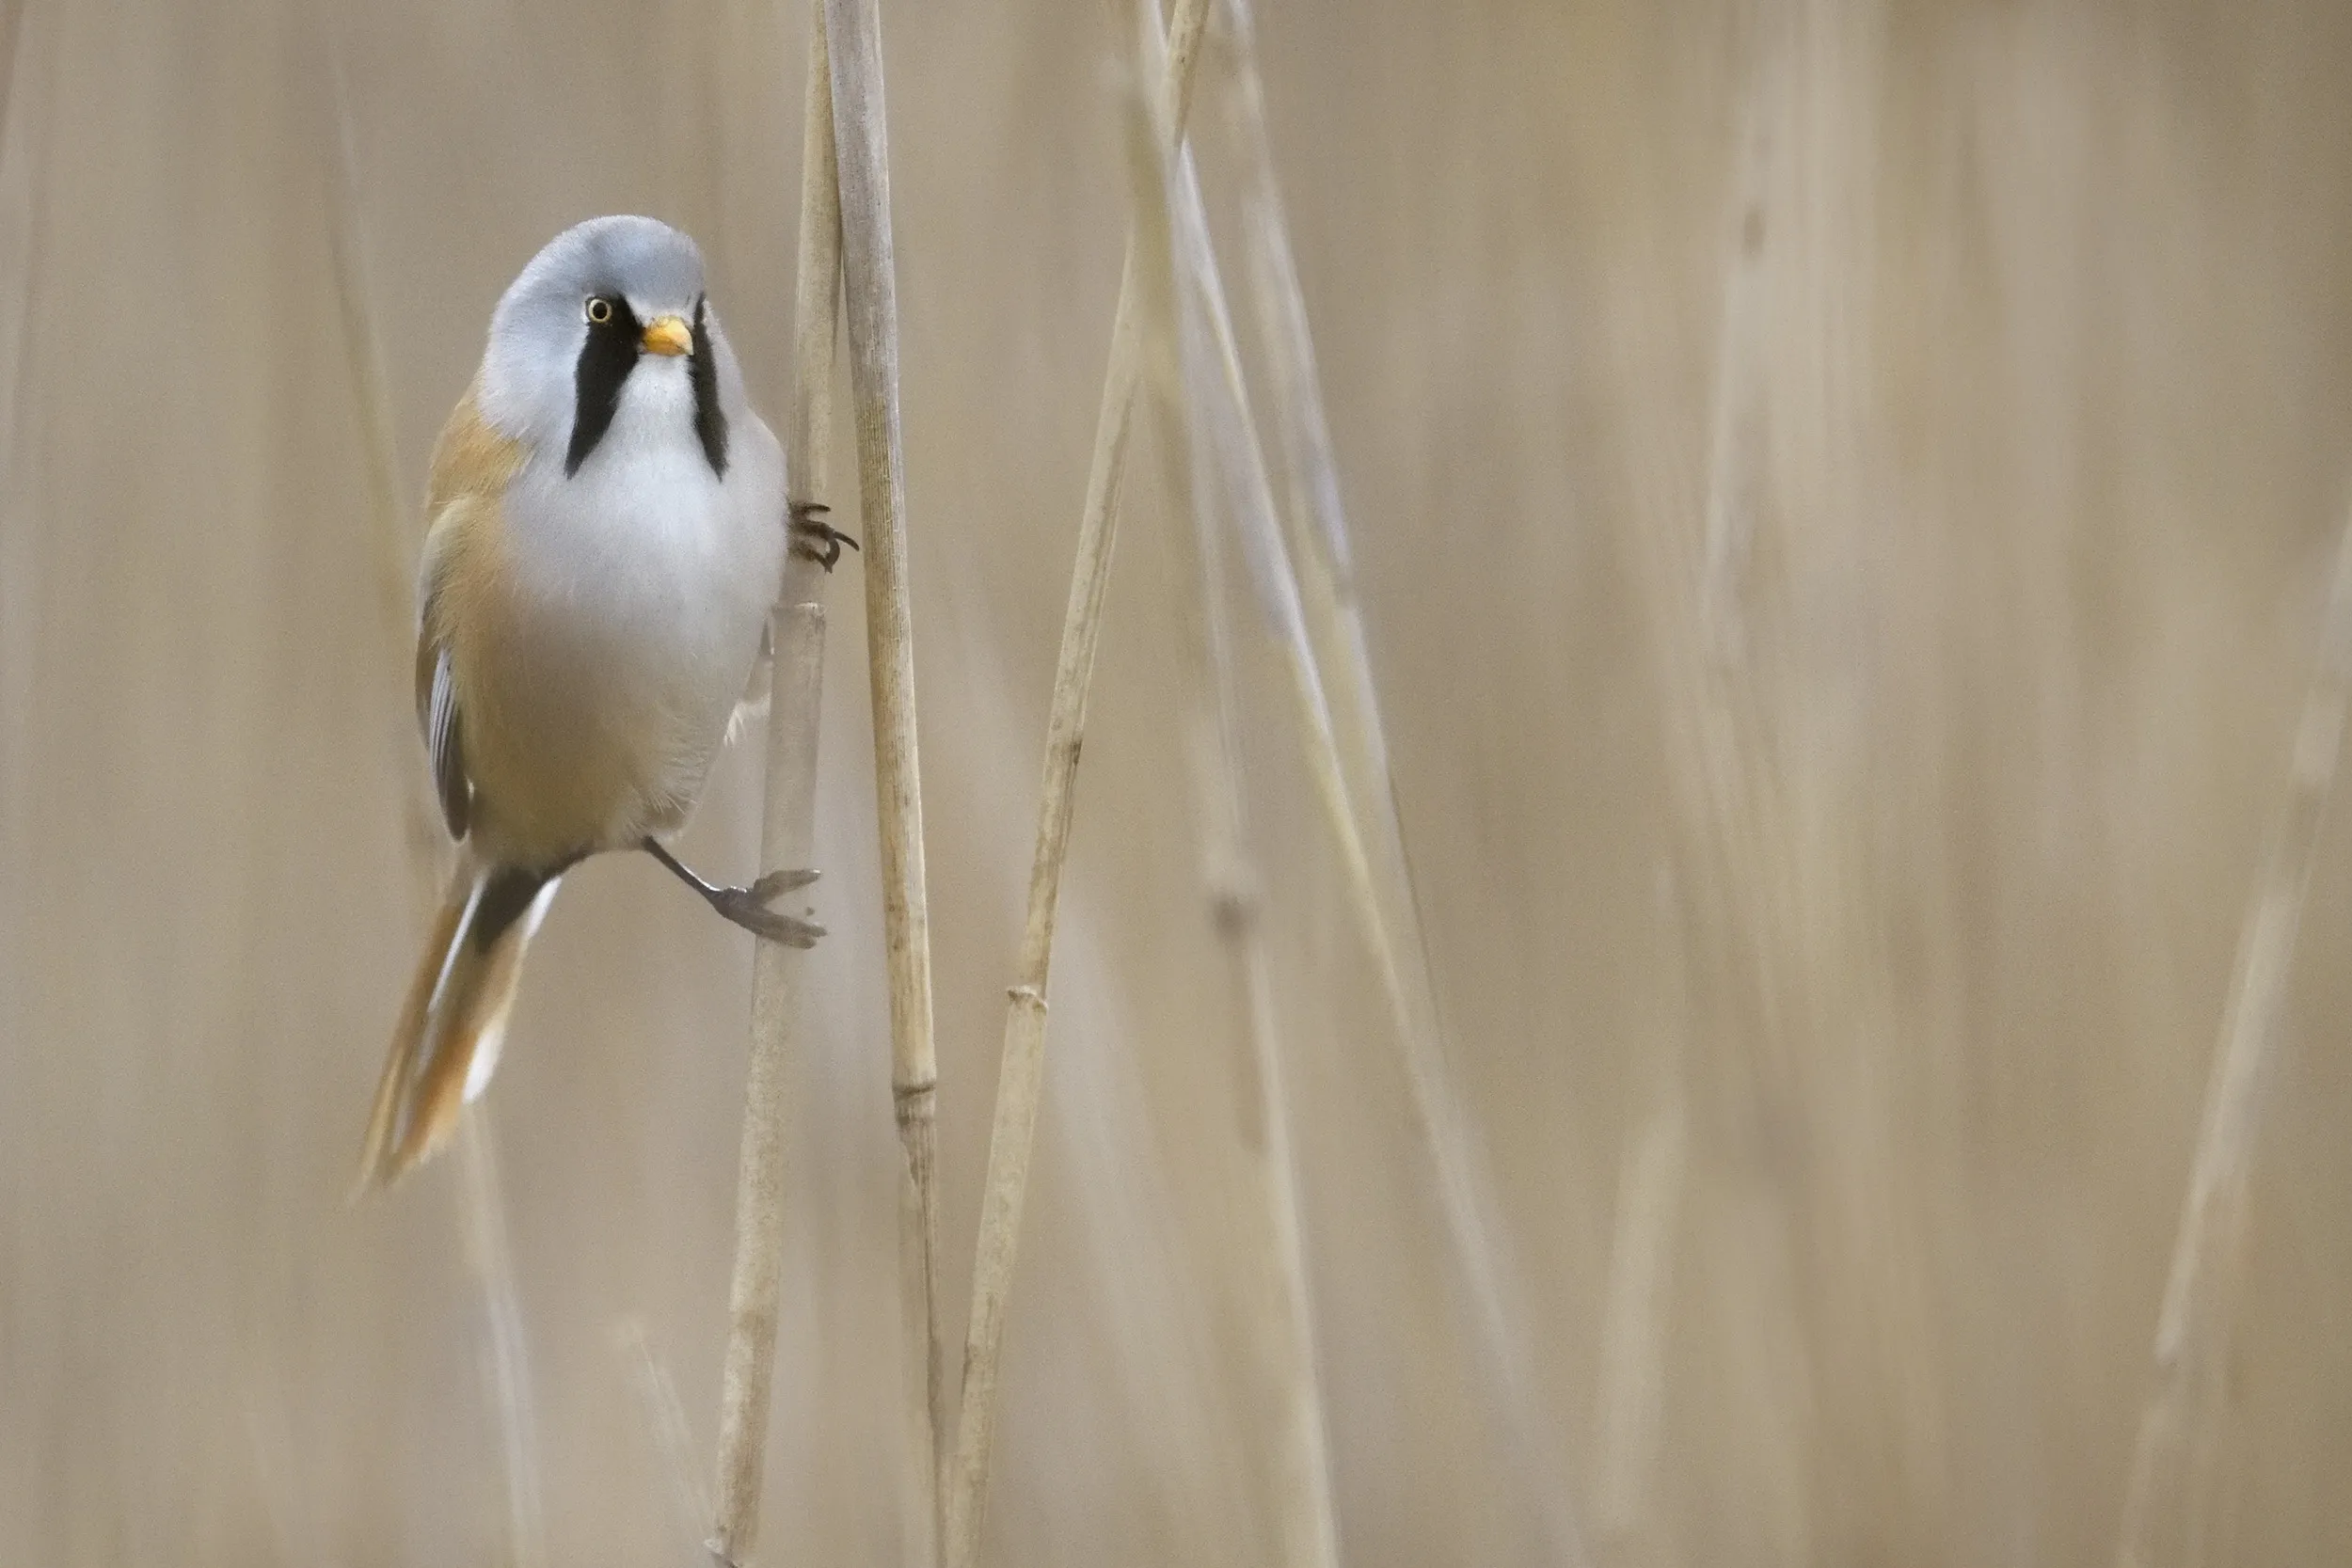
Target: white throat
[655, 418]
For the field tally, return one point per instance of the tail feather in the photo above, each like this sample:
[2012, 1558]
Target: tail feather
[445, 1044]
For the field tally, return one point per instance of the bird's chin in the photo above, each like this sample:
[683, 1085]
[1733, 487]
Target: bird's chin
[658, 388]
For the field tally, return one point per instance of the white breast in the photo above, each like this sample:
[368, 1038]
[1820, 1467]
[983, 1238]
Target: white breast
[645, 580]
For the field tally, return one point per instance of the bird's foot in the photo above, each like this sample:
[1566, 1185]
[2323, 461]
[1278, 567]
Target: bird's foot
[745, 908]
[813, 539]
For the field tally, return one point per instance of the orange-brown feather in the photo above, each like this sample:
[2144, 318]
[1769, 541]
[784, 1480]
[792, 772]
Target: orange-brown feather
[384, 1118]
[460, 994]
[379, 1149]
[450, 1028]
[471, 467]
[463, 615]
[470, 458]
[474, 1021]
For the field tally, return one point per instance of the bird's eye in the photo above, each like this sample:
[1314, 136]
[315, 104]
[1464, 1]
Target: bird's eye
[599, 310]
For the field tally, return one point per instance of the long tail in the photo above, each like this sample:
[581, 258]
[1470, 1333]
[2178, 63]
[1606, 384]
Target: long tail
[447, 1043]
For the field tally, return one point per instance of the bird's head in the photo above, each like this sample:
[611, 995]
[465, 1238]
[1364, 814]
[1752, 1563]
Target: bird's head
[608, 307]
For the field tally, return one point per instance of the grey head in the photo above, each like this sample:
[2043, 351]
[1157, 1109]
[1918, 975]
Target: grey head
[574, 326]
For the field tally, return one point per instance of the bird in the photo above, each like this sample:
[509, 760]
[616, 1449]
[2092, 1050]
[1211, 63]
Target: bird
[606, 531]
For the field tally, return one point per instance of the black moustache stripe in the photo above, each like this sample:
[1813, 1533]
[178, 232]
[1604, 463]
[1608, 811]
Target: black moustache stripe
[710, 422]
[604, 360]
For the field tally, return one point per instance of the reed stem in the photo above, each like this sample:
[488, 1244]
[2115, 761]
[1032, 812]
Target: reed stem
[2194, 1325]
[506, 1359]
[482, 1205]
[1012, 1135]
[1315, 625]
[1298, 1476]
[860, 141]
[780, 1014]
[665, 1424]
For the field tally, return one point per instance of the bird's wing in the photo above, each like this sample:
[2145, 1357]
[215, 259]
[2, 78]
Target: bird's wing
[444, 736]
[471, 467]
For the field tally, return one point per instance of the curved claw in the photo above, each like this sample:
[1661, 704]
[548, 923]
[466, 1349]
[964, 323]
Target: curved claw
[813, 539]
[777, 883]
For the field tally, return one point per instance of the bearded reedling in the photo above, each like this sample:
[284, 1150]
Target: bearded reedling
[607, 532]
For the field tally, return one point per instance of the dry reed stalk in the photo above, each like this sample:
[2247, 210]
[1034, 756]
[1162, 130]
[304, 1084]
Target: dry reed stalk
[508, 1362]
[480, 1202]
[1738, 881]
[1656, 1163]
[24, 239]
[1293, 613]
[787, 836]
[860, 141]
[392, 528]
[665, 1419]
[1464, 1187]
[1729, 526]
[1633, 1324]
[1315, 526]
[1872, 1290]
[1316, 519]
[1739, 797]
[12, 28]
[1299, 1477]
[1282, 1321]
[777, 1004]
[1013, 1130]
[1307, 1522]
[22, 193]
[1300, 1474]
[1223, 397]
[2194, 1324]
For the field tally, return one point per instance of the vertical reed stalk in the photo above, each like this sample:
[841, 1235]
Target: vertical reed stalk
[1633, 1323]
[1224, 399]
[665, 1421]
[1282, 1324]
[788, 835]
[1656, 1162]
[1306, 1521]
[1315, 520]
[506, 1357]
[1732, 880]
[482, 1205]
[861, 140]
[1012, 1135]
[1463, 1186]
[392, 526]
[24, 242]
[11, 26]
[2194, 1325]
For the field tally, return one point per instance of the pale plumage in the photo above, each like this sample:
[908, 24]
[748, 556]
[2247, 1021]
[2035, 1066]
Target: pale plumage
[607, 527]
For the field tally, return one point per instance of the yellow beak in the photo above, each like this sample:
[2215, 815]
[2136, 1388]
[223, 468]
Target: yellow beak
[668, 335]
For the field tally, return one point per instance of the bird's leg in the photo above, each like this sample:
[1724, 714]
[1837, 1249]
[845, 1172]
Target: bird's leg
[815, 539]
[747, 907]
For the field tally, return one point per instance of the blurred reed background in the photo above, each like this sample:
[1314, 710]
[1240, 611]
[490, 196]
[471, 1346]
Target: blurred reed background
[1844, 497]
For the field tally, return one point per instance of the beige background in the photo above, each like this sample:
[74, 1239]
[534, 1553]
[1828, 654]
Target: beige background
[2052, 452]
